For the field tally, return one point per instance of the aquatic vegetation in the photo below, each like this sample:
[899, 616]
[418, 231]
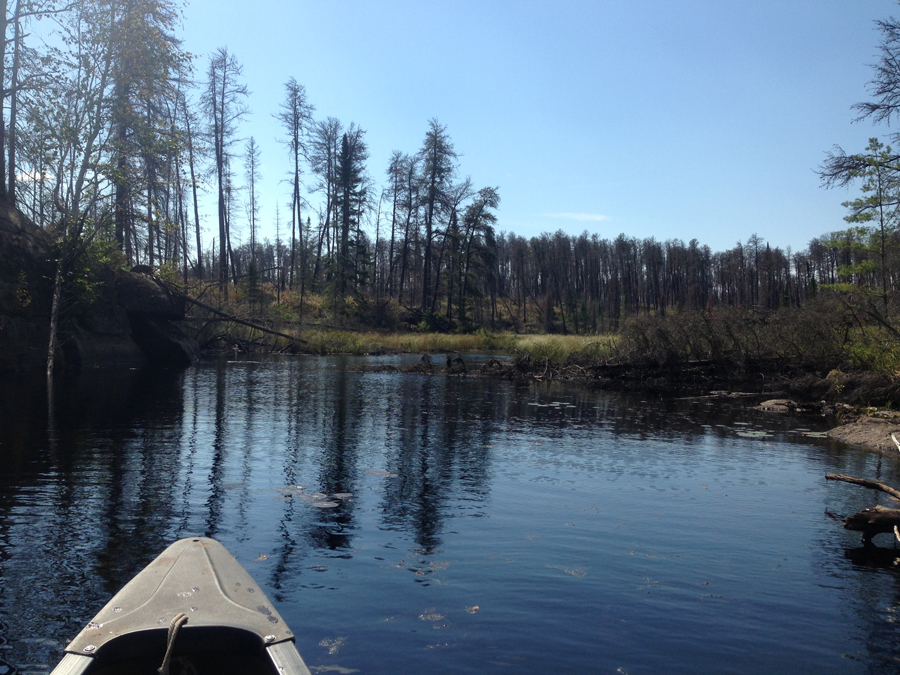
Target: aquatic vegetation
[334, 645]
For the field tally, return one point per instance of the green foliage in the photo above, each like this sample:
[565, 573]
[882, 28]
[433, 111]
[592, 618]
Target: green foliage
[84, 278]
[867, 244]
[251, 283]
[874, 349]
[426, 325]
[170, 271]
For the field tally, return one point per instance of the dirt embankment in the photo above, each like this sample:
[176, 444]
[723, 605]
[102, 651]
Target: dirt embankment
[873, 432]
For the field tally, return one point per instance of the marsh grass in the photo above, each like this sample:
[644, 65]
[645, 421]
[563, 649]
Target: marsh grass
[555, 347]
[561, 347]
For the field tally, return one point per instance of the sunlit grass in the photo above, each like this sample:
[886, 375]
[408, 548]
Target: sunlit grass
[352, 342]
[560, 347]
[320, 338]
[555, 347]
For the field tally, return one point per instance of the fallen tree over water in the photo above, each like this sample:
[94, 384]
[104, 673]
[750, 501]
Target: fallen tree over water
[243, 322]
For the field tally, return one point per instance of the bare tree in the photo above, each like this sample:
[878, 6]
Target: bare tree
[224, 102]
[296, 118]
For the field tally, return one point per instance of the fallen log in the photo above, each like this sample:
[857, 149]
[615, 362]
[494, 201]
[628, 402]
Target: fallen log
[877, 520]
[243, 322]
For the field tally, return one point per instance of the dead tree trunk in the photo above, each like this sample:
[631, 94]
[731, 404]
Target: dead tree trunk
[243, 322]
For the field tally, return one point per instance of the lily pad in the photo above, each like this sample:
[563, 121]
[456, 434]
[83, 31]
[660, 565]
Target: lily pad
[381, 474]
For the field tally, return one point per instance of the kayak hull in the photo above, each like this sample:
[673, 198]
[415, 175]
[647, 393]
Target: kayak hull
[231, 626]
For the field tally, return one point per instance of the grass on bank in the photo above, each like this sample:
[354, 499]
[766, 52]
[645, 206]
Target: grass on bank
[556, 347]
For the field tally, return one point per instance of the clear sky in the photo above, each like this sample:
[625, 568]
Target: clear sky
[697, 119]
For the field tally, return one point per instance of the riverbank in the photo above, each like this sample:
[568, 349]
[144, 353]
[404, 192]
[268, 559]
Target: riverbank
[833, 348]
[667, 356]
[852, 401]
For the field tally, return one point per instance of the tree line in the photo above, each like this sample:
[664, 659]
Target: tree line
[111, 134]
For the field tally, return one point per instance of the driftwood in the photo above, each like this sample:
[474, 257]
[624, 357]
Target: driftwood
[243, 322]
[877, 520]
[871, 484]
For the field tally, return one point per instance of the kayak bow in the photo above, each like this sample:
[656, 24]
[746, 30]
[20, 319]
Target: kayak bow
[228, 623]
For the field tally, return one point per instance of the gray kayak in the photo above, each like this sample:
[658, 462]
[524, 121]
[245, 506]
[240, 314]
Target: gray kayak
[192, 610]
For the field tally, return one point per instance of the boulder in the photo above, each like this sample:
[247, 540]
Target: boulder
[777, 405]
[870, 432]
[146, 295]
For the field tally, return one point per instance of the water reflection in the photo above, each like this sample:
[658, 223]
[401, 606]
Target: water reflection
[333, 485]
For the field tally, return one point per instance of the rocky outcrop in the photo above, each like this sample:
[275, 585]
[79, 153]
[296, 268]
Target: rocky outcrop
[128, 324]
[162, 341]
[26, 268]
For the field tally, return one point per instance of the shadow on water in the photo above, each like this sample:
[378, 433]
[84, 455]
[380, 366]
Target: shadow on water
[216, 497]
[877, 603]
[338, 462]
[873, 557]
[80, 502]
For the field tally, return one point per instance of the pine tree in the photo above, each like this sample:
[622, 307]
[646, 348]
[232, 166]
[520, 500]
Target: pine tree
[351, 193]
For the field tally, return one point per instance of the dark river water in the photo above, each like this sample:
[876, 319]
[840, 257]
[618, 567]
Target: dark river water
[407, 524]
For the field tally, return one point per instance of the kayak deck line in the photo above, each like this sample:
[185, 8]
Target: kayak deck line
[230, 621]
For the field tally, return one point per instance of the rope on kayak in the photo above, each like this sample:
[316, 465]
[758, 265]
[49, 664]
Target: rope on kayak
[174, 627]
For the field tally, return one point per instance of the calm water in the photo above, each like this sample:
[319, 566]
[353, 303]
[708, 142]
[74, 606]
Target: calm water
[448, 525]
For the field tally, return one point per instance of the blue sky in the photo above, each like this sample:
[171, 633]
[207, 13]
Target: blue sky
[697, 119]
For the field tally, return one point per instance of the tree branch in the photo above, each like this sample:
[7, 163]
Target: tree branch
[871, 484]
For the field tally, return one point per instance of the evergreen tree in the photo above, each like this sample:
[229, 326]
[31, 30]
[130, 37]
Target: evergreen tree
[438, 169]
[351, 194]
